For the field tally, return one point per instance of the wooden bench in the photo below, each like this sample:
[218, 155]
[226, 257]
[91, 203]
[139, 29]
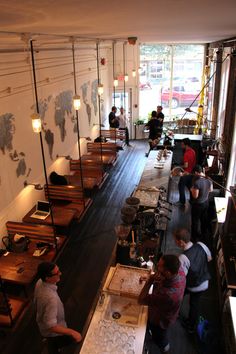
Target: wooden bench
[107, 148]
[10, 307]
[69, 197]
[89, 170]
[37, 233]
[100, 157]
[113, 134]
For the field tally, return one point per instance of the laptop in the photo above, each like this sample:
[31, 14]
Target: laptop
[42, 210]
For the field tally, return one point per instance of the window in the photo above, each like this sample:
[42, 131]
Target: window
[173, 75]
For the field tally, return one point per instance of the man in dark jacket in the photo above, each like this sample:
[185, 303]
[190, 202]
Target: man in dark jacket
[113, 119]
[194, 261]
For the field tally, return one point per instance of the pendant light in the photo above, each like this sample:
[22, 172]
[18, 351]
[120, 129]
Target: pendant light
[100, 89]
[36, 123]
[76, 102]
[115, 82]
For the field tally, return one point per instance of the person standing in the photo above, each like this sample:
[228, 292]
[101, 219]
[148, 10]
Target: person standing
[123, 122]
[160, 118]
[113, 119]
[153, 131]
[194, 261]
[200, 193]
[50, 314]
[189, 162]
[165, 300]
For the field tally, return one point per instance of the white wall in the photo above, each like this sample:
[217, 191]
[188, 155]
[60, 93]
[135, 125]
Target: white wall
[55, 85]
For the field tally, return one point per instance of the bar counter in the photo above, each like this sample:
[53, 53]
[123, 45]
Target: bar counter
[106, 335]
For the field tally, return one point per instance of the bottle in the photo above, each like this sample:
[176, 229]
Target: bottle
[150, 264]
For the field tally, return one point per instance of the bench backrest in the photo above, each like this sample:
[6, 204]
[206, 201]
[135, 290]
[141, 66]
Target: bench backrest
[113, 134]
[32, 231]
[93, 165]
[64, 193]
[92, 147]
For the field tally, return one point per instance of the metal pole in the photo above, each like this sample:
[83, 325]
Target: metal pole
[77, 124]
[124, 76]
[99, 102]
[41, 141]
[113, 65]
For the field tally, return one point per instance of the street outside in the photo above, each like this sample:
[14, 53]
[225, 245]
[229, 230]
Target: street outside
[149, 98]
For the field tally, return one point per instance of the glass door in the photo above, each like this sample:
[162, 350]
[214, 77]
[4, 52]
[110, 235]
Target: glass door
[119, 99]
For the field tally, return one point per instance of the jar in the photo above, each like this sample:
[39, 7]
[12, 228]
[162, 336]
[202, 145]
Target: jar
[132, 202]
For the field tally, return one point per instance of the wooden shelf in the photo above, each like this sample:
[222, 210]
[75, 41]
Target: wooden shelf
[230, 266]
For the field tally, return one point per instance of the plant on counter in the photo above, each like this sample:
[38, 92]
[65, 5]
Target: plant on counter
[139, 122]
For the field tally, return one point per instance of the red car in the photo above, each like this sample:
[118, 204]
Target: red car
[180, 96]
[145, 86]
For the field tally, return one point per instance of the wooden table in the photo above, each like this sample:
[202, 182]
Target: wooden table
[61, 217]
[10, 263]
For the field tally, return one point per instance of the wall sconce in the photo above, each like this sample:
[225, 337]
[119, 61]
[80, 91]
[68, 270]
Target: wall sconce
[37, 186]
[126, 77]
[76, 102]
[100, 89]
[134, 73]
[36, 123]
[67, 157]
[86, 138]
[115, 83]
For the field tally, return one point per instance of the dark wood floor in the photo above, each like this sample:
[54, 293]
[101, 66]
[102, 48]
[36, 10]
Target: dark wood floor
[88, 253]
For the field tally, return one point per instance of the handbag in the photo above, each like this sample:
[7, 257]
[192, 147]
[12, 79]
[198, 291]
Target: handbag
[19, 245]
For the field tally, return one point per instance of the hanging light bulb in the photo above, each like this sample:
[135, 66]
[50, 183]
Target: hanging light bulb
[36, 123]
[126, 77]
[100, 89]
[134, 73]
[115, 83]
[76, 102]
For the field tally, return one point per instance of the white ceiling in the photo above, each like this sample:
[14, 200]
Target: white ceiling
[166, 21]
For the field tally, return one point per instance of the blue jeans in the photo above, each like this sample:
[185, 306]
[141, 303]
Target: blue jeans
[184, 181]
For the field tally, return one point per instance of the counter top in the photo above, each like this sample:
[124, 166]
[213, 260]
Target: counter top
[108, 335]
[221, 208]
[232, 302]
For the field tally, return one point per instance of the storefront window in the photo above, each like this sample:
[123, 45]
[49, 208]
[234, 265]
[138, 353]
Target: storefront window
[171, 76]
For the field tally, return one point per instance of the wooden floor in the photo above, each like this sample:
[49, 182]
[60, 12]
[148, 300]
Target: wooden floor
[87, 255]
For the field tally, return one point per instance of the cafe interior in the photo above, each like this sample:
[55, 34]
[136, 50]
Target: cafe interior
[75, 193]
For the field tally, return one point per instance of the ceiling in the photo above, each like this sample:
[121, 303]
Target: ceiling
[163, 21]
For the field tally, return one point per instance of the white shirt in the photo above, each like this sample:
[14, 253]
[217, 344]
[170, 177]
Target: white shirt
[122, 120]
[186, 265]
[49, 308]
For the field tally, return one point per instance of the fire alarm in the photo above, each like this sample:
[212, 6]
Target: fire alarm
[103, 61]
